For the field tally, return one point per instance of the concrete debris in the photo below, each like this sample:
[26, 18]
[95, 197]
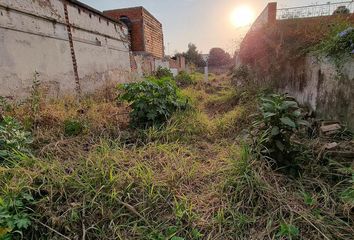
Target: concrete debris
[330, 146]
[330, 129]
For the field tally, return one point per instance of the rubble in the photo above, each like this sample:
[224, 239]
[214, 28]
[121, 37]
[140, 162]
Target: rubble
[330, 129]
[330, 146]
[342, 147]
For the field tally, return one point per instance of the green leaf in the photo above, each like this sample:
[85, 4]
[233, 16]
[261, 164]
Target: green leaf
[297, 113]
[22, 223]
[275, 131]
[288, 104]
[28, 197]
[287, 121]
[303, 122]
[171, 230]
[269, 114]
[196, 234]
[288, 230]
[308, 199]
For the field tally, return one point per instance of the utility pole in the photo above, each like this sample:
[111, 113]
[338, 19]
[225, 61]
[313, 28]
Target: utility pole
[206, 68]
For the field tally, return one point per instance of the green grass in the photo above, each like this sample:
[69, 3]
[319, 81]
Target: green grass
[195, 178]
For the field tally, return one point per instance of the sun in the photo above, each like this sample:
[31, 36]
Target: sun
[242, 16]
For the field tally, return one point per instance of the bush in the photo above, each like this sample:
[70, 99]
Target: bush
[162, 73]
[14, 140]
[281, 118]
[152, 101]
[184, 79]
[73, 127]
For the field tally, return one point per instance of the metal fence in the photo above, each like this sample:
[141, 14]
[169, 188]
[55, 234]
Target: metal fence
[316, 10]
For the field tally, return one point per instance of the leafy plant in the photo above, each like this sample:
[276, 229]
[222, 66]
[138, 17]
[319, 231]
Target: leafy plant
[280, 119]
[288, 230]
[73, 127]
[14, 140]
[308, 199]
[153, 101]
[184, 79]
[162, 73]
[14, 216]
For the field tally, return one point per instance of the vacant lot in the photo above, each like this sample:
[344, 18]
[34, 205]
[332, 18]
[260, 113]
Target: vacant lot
[88, 175]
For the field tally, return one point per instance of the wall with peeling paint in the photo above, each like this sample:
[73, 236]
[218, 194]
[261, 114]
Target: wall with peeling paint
[317, 84]
[34, 37]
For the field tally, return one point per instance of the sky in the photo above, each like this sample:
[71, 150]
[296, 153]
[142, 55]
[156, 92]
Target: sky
[205, 23]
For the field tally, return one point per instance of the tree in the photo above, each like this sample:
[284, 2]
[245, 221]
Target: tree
[193, 56]
[218, 57]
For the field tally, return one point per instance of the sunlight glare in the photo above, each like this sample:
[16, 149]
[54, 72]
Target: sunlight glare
[242, 16]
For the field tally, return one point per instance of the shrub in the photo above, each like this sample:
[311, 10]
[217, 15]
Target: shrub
[162, 73]
[14, 216]
[280, 119]
[14, 140]
[184, 79]
[152, 101]
[73, 127]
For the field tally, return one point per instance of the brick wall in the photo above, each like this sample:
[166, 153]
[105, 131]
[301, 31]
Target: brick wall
[268, 16]
[153, 35]
[146, 30]
[136, 18]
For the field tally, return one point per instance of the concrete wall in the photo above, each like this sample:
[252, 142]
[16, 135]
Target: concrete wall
[34, 37]
[146, 65]
[276, 53]
[317, 84]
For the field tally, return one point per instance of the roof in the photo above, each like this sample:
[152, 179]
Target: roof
[134, 8]
[83, 5]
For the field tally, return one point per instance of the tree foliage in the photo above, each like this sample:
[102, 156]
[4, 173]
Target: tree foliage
[193, 56]
[218, 57]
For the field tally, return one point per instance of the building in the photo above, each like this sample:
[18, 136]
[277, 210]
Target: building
[145, 30]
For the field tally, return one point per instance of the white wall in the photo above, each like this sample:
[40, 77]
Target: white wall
[34, 37]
